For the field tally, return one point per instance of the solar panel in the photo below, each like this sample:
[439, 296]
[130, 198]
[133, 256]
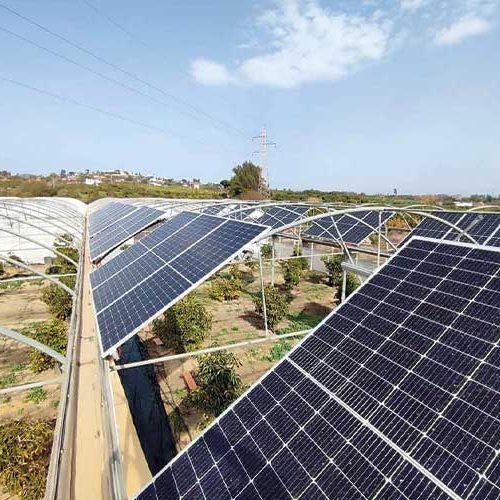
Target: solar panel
[106, 216]
[346, 227]
[478, 225]
[144, 280]
[122, 230]
[394, 395]
[279, 216]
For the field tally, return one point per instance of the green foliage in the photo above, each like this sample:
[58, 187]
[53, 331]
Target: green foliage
[16, 258]
[333, 264]
[351, 283]
[218, 382]
[58, 300]
[8, 380]
[297, 252]
[36, 395]
[24, 457]
[292, 270]
[266, 250]
[277, 305]
[279, 350]
[246, 179]
[53, 334]
[184, 325]
[2, 269]
[225, 289]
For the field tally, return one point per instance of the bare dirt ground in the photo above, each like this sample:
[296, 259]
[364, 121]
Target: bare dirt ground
[237, 321]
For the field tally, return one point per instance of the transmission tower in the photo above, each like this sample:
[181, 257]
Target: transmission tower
[263, 145]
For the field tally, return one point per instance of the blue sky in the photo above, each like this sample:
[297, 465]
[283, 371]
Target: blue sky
[361, 95]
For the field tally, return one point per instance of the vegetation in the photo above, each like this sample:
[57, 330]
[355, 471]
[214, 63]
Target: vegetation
[184, 325]
[279, 350]
[225, 289]
[333, 264]
[36, 395]
[292, 270]
[277, 305]
[266, 250]
[297, 252]
[58, 300]
[24, 457]
[218, 382]
[246, 181]
[351, 283]
[61, 245]
[52, 333]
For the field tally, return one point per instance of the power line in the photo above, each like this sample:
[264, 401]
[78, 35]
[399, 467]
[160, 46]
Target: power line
[138, 39]
[104, 61]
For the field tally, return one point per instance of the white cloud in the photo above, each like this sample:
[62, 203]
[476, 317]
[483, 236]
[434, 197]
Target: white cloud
[210, 72]
[301, 41]
[462, 29]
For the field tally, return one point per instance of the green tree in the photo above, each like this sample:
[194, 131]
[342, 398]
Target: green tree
[58, 300]
[351, 283]
[297, 252]
[225, 289]
[266, 250]
[333, 264]
[184, 325]
[52, 333]
[218, 382]
[277, 305]
[292, 270]
[246, 178]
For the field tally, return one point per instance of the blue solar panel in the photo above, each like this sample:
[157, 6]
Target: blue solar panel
[138, 285]
[347, 227]
[106, 216]
[279, 216]
[394, 395]
[122, 230]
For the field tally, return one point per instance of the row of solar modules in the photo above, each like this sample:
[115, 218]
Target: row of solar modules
[102, 218]
[118, 231]
[395, 395]
[351, 228]
[144, 280]
[483, 227]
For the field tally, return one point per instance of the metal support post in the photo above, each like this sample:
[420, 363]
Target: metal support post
[311, 258]
[272, 260]
[264, 308]
[379, 237]
[344, 281]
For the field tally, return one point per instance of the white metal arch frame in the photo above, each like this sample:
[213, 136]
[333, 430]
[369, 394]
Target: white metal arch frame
[36, 242]
[60, 207]
[15, 208]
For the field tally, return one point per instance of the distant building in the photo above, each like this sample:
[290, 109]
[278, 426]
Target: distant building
[92, 181]
[463, 204]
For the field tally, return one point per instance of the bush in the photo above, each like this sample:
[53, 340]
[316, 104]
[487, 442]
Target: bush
[277, 305]
[297, 252]
[219, 383]
[224, 289]
[54, 334]
[266, 250]
[292, 270]
[16, 258]
[24, 457]
[235, 273]
[184, 325]
[279, 350]
[2, 269]
[351, 283]
[58, 300]
[333, 264]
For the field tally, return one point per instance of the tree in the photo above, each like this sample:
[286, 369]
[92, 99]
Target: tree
[266, 250]
[246, 178]
[58, 300]
[52, 333]
[277, 305]
[219, 383]
[292, 270]
[297, 252]
[225, 289]
[184, 325]
[333, 264]
[225, 183]
[62, 246]
[351, 283]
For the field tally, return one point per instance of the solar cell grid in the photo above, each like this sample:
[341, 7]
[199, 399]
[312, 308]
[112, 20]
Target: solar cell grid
[106, 216]
[395, 400]
[156, 272]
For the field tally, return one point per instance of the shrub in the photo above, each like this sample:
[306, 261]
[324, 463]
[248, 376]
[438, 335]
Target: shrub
[36, 395]
[219, 383]
[58, 300]
[277, 305]
[266, 250]
[2, 269]
[292, 270]
[333, 264]
[249, 261]
[224, 289]
[297, 252]
[351, 283]
[184, 325]
[24, 457]
[16, 258]
[235, 272]
[279, 350]
[53, 334]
